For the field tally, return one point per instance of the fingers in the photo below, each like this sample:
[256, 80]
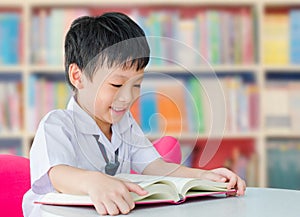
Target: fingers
[100, 208]
[214, 177]
[237, 183]
[241, 187]
[120, 201]
[135, 188]
[234, 181]
[115, 205]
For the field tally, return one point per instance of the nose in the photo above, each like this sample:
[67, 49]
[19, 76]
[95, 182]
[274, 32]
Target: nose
[125, 94]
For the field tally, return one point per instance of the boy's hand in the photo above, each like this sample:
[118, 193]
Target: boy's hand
[111, 196]
[225, 175]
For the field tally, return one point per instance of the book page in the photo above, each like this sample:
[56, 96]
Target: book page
[159, 188]
[157, 193]
[183, 185]
[146, 180]
[197, 186]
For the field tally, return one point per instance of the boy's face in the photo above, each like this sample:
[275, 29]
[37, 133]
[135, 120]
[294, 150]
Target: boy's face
[110, 94]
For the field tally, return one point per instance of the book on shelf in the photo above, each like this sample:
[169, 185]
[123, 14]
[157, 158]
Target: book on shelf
[44, 95]
[281, 35]
[196, 103]
[238, 155]
[171, 106]
[284, 117]
[294, 105]
[10, 41]
[10, 106]
[11, 146]
[48, 29]
[283, 163]
[294, 15]
[201, 31]
[248, 34]
[148, 108]
[187, 105]
[161, 189]
[185, 33]
[276, 37]
[135, 110]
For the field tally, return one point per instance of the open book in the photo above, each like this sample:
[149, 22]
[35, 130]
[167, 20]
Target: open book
[161, 189]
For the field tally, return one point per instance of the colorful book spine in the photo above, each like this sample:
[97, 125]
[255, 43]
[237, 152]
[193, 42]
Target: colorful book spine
[247, 35]
[148, 105]
[294, 20]
[220, 36]
[32, 104]
[48, 29]
[11, 146]
[171, 106]
[10, 106]
[44, 95]
[276, 38]
[197, 100]
[201, 36]
[9, 38]
[135, 110]
[282, 166]
[154, 25]
[214, 37]
[253, 102]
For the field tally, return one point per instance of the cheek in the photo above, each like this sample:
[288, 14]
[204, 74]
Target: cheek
[136, 93]
[105, 97]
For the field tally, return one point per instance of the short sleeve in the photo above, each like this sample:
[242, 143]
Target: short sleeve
[52, 146]
[143, 152]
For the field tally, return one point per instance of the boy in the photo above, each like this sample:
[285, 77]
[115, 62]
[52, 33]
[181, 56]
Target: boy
[78, 150]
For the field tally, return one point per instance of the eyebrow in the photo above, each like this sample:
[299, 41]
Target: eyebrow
[125, 77]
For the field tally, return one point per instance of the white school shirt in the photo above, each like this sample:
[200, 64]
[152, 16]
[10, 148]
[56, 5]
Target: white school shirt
[66, 137]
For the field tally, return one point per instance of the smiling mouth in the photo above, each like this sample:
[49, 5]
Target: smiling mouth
[118, 110]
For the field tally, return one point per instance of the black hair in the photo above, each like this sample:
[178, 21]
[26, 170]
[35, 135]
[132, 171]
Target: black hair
[112, 38]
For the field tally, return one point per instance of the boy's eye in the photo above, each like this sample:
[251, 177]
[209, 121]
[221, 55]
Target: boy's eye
[117, 85]
[137, 85]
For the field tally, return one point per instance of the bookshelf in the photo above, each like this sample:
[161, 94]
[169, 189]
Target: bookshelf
[31, 64]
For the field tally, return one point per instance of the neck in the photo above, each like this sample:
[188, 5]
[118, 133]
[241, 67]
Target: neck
[105, 128]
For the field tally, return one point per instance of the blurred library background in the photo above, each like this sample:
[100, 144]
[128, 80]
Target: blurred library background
[252, 46]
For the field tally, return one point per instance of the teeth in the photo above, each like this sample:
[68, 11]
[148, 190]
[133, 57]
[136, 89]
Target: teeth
[118, 109]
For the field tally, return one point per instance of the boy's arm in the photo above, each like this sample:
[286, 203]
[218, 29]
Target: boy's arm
[109, 195]
[160, 167]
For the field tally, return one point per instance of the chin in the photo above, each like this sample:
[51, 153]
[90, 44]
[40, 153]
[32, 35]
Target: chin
[116, 119]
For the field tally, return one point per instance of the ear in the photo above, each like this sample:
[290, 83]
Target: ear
[75, 76]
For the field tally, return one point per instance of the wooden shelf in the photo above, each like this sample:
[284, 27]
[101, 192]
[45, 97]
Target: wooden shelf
[141, 3]
[287, 68]
[11, 69]
[281, 134]
[205, 69]
[11, 135]
[46, 69]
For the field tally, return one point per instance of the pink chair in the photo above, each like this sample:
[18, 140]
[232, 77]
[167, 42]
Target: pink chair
[14, 182]
[169, 149]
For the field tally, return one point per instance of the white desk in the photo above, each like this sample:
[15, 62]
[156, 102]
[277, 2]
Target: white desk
[258, 202]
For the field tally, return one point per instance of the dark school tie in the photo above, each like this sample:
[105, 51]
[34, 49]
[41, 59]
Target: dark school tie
[110, 168]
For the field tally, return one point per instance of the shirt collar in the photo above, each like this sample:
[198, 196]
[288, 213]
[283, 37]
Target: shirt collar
[87, 125]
